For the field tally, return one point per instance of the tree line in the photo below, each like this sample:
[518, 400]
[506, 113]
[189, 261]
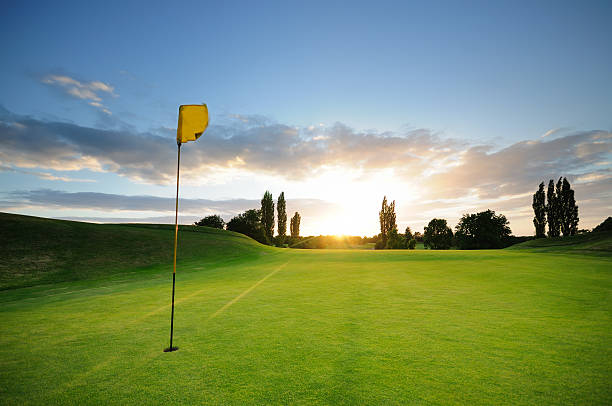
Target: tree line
[259, 223]
[474, 231]
[557, 208]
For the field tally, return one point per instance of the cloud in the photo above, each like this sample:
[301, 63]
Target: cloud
[522, 166]
[67, 147]
[114, 203]
[89, 91]
[44, 175]
[445, 172]
[270, 148]
[553, 131]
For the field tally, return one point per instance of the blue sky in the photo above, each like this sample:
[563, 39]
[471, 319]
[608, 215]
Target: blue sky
[465, 74]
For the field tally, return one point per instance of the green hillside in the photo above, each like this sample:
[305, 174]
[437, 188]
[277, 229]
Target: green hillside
[38, 250]
[259, 325]
[592, 243]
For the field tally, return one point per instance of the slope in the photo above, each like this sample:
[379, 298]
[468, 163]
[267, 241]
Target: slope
[592, 243]
[38, 251]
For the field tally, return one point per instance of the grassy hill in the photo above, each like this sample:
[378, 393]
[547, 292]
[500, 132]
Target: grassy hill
[259, 325]
[38, 250]
[592, 243]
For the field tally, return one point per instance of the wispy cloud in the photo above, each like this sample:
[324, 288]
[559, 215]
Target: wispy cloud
[91, 91]
[557, 131]
[106, 202]
[44, 175]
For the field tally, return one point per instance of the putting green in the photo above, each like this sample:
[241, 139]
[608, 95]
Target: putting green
[319, 327]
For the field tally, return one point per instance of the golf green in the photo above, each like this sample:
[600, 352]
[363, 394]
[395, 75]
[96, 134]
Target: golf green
[281, 326]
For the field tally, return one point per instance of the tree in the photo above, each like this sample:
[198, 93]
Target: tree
[552, 210]
[568, 209]
[482, 231]
[605, 225]
[408, 234]
[295, 225]
[418, 236]
[561, 209]
[387, 220]
[249, 223]
[281, 211]
[412, 244]
[382, 217]
[214, 221]
[395, 240]
[438, 235]
[267, 215]
[559, 201]
[539, 210]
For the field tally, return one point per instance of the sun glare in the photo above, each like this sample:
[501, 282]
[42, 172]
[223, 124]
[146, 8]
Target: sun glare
[358, 198]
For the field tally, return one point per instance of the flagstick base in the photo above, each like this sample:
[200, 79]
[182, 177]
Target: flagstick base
[170, 349]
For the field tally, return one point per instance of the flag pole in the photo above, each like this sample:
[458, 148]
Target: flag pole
[178, 166]
[192, 122]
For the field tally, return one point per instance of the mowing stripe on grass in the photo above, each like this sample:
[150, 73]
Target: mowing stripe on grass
[153, 354]
[167, 306]
[246, 292]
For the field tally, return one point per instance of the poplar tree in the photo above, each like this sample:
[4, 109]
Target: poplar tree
[561, 208]
[539, 210]
[568, 208]
[295, 225]
[281, 211]
[387, 219]
[391, 224]
[267, 215]
[552, 210]
[382, 216]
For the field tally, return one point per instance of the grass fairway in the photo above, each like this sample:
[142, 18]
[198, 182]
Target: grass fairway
[317, 327]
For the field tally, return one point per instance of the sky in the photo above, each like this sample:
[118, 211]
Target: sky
[445, 107]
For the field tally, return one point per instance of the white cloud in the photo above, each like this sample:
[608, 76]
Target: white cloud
[89, 91]
[44, 175]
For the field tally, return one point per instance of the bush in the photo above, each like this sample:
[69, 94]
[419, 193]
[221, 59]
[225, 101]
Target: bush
[280, 241]
[395, 241]
[249, 223]
[214, 221]
[412, 244]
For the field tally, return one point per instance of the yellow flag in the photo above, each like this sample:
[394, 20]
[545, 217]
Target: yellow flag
[192, 122]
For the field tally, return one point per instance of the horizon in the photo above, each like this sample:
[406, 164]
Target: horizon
[447, 109]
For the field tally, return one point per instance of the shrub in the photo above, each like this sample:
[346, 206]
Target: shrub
[394, 240]
[249, 223]
[214, 221]
[380, 245]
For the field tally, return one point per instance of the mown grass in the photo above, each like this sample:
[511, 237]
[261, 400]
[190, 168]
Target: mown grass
[591, 243]
[39, 251]
[319, 327]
